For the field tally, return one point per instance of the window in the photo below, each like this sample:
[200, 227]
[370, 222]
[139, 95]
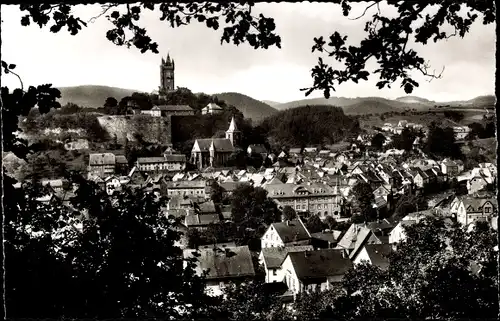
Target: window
[275, 272]
[487, 209]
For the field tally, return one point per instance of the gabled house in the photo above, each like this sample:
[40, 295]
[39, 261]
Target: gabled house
[211, 109]
[355, 238]
[325, 239]
[398, 232]
[312, 271]
[257, 149]
[450, 168]
[288, 233]
[476, 183]
[473, 209]
[272, 258]
[224, 265]
[187, 188]
[374, 254]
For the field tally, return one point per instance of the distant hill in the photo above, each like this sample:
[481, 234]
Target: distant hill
[366, 105]
[251, 108]
[370, 107]
[271, 103]
[91, 96]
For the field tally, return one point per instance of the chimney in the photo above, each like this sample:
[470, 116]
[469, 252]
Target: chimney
[287, 223]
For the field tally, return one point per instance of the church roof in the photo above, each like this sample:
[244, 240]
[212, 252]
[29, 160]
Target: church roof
[220, 144]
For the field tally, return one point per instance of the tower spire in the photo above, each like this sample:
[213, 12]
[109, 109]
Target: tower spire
[168, 58]
[232, 126]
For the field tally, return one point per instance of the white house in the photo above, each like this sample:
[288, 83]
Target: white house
[288, 233]
[312, 271]
[231, 264]
[211, 109]
[374, 254]
[473, 209]
[272, 258]
[114, 183]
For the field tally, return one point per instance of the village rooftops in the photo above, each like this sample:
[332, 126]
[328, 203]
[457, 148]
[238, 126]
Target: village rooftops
[197, 220]
[379, 254]
[319, 264]
[164, 159]
[186, 184]
[274, 256]
[223, 263]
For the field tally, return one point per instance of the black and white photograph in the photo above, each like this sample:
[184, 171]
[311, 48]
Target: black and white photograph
[293, 161]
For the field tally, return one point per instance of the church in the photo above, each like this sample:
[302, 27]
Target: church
[167, 76]
[215, 152]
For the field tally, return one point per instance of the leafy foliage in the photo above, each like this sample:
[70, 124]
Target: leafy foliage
[378, 141]
[441, 142]
[309, 126]
[252, 211]
[289, 213]
[387, 42]
[363, 194]
[122, 258]
[426, 277]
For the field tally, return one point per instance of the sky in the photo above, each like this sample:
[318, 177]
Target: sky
[204, 65]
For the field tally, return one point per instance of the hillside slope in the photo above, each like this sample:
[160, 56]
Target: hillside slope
[91, 96]
[251, 108]
[370, 107]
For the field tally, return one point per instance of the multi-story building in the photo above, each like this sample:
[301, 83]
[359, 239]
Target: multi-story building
[211, 109]
[163, 163]
[102, 164]
[187, 188]
[315, 198]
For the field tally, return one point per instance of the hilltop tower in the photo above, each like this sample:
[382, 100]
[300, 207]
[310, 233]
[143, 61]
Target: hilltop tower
[167, 75]
[233, 134]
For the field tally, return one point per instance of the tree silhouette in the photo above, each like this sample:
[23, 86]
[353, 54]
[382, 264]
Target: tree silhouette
[386, 41]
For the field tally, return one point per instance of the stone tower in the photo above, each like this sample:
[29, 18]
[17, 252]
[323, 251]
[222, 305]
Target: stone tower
[233, 134]
[167, 75]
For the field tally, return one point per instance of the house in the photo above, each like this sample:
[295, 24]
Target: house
[211, 109]
[312, 271]
[476, 183]
[205, 208]
[77, 144]
[272, 258]
[355, 238]
[325, 239]
[154, 112]
[294, 152]
[374, 254]
[472, 208]
[316, 198]
[175, 110]
[223, 265]
[165, 163]
[398, 232]
[56, 185]
[257, 149]
[215, 151]
[449, 168]
[102, 164]
[288, 233]
[187, 188]
[114, 183]
[201, 221]
[461, 132]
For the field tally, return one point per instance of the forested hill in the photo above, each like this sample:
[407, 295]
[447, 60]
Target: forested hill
[309, 126]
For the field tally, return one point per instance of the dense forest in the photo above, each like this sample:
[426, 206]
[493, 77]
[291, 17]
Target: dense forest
[309, 126]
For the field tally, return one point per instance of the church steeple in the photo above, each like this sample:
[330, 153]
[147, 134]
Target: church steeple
[233, 134]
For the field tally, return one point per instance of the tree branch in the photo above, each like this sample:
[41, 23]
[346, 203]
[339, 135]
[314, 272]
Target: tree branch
[109, 6]
[366, 9]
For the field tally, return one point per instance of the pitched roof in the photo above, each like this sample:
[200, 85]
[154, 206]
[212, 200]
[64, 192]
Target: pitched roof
[258, 148]
[102, 159]
[232, 126]
[291, 231]
[319, 264]
[121, 159]
[274, 256]
[175, 108]
[220, 144]
[223, 263]
[212, 106]
[175, 158]
[229, 186]
[379, 254]
[331, 237]
[298, 190]
[186, 184]
[150, 160]
[201, 220]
